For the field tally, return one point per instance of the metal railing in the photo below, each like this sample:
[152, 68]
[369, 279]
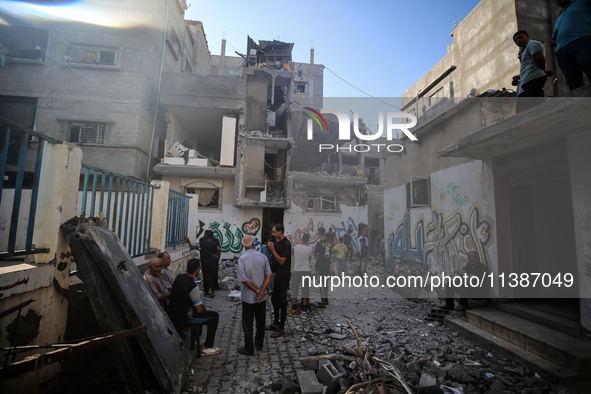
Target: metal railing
[178, 218]
[125, 203]
[15, 161]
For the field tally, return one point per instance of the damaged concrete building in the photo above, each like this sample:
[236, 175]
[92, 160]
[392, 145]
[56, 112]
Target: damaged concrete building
[248, 158]
[511, 185]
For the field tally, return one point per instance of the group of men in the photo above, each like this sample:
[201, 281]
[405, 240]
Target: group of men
[572, 39]
[181, 298]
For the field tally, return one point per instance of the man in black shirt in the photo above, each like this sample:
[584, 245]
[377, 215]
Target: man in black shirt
[184, 296]
[473, 268]
[281, 251]
[209, 251]
[322, 253]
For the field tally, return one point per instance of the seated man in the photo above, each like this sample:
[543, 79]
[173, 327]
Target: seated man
[184, 296]
[153, 278]
[473, 268]
[166, 275]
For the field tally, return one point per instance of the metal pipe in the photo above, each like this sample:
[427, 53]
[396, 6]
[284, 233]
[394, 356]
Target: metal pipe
[18, 190]
[158, 92]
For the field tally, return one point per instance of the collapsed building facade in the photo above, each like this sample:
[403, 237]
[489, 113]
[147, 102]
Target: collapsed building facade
[246, 155]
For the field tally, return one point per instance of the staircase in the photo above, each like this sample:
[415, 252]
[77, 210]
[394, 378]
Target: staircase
[542, 340]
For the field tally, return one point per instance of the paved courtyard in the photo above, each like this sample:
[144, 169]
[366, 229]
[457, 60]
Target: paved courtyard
[395, 328]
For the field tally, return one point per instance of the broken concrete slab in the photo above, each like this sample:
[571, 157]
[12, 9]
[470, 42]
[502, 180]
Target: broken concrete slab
[309, 383]
[121, 300]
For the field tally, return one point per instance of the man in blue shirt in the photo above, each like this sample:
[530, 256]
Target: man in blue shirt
[532, 73]
[572, 38]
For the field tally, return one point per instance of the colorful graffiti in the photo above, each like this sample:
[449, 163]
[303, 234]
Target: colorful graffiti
[394, 207]
[231, 240]
[444, 242]
[453, 191]
[312, 230]
[252, 227]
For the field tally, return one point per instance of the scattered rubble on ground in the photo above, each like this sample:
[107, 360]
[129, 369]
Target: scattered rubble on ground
[402, 351]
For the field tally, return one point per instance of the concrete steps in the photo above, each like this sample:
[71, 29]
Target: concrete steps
[547, 348]
[551, 320]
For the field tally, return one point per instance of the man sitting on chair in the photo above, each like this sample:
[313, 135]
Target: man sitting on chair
[185, 295]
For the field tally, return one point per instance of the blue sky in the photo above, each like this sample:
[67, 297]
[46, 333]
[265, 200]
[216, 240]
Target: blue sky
[381, 47]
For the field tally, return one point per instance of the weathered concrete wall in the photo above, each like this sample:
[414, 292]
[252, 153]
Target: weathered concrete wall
[201, 58]
[122, 96]
[484, 53]
[460, 219]
[580, 162]
[298, 221]
[43, 321]
[256, 101]
[421, 158]
[313, 74]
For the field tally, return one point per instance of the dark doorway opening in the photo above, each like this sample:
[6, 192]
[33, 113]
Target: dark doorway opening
[271, 216]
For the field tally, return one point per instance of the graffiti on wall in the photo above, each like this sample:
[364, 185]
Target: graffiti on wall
[444, 241]
[394, 207]
[453, 191]
[231, 239]
[340, 230]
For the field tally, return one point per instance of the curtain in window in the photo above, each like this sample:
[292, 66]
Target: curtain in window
[205, 195]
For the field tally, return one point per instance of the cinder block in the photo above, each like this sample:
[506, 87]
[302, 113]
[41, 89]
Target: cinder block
[329, 373]
[309, 383]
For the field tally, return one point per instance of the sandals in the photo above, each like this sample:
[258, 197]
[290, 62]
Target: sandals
[271, 327]
[278, 333]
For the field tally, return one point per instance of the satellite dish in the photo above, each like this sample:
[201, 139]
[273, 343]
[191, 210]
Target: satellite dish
[300, 70]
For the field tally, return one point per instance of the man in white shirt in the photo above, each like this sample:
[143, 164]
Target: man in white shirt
[303, 256]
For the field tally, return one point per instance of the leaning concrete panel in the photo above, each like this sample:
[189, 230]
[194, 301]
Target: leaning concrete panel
[122, 300]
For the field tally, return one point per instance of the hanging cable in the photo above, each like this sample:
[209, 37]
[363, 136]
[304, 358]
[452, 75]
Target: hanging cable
[364, 92]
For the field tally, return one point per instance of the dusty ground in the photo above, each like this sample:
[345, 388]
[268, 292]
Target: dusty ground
[424, 351]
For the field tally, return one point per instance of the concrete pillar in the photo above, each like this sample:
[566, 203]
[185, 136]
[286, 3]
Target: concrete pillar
[228, 139]
[578, 155]
[193, 216]
[159, 215]
[223, 56]
[58, 198]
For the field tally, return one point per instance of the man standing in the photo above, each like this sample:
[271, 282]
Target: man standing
[184, 296]
[302, 254]
[153, 278]
[282, 259]
[166, 275]
[209, 251]
[362, 235]
[473, 268]
[532, 73]
[255, 273]
[349, 243]
[322, 253]
[572, 38]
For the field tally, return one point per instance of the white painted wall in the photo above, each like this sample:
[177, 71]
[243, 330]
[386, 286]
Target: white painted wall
[298, 221]
[461, 218]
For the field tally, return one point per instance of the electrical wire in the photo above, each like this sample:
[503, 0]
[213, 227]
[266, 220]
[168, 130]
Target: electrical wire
[362, 91]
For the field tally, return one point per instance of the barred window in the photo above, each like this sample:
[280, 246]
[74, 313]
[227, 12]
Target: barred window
[91, 133]
[207, 197]
[88, 54]
[317, 202]
[174, 44]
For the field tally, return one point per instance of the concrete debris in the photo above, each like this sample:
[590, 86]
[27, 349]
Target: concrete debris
[424, 352]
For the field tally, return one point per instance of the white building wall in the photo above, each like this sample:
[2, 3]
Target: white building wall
[461, 219]
[298, 221]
